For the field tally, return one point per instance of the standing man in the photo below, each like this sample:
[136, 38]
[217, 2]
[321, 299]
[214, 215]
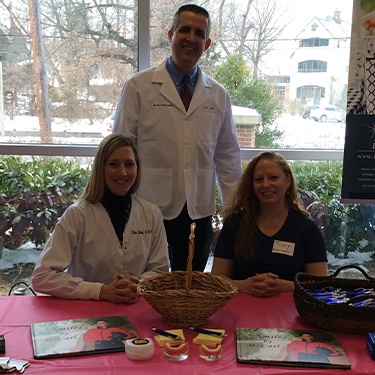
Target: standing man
[184, 148]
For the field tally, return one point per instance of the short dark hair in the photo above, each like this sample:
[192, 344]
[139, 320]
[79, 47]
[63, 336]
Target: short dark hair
[195, 9]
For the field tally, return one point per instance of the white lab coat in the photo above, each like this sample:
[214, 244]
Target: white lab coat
[182, 153]
[85, 244]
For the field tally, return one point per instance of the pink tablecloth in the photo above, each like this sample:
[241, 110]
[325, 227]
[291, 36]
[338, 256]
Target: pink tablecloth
[18, 312]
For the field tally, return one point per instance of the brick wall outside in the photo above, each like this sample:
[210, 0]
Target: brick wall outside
[246, 135]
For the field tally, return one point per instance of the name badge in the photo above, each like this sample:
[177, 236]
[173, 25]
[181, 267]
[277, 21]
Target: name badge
[282, 247]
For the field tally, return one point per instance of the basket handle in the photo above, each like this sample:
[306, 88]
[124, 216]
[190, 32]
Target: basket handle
[190, 257]
[352, 266]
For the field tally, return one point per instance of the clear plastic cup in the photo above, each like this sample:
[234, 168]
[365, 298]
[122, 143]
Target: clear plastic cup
[176, 352]
[210, 354]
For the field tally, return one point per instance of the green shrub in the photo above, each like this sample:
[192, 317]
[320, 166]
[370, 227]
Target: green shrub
[34, 192]
[345, 227]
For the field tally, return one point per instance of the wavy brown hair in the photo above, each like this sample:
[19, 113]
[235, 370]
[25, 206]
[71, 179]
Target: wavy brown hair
[247, 204]
[94, 188]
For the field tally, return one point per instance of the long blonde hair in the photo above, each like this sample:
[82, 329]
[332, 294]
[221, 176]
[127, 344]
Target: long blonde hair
[247, 204]
[94, 188]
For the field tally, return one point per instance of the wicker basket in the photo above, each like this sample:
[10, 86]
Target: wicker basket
[186, 299]
[334, 317]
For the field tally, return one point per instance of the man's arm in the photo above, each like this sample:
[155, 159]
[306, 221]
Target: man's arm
[127, 112]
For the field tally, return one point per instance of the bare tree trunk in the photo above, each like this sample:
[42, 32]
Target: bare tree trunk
[251, 29]
[221, 27]
[41, 86]
[246, 26]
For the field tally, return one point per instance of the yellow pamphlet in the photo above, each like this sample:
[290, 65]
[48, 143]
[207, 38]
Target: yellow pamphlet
[209, 340]
[161, 340]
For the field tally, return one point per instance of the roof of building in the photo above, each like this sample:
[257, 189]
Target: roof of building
[330, 27]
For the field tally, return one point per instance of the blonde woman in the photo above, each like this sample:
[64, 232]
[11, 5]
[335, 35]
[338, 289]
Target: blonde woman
[108, 240]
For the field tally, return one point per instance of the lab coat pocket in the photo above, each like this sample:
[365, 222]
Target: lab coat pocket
[208, 129]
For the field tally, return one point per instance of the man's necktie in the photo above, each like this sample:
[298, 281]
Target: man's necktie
[185, 93]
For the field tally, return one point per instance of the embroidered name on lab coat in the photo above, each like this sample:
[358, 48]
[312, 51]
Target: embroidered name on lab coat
[145, 231]
[282, 247]
[209, 108]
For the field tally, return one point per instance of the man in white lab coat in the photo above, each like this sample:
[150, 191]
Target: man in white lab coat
[183, 152]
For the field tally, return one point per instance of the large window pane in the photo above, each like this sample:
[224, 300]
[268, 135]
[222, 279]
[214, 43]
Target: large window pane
[300, 49]
[89, 49]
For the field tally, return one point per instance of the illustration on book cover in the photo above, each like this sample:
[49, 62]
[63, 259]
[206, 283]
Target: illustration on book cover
[81, 336]
[290, 348]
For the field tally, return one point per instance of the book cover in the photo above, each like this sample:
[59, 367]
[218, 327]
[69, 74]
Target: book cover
[283, 347]
[81, 336]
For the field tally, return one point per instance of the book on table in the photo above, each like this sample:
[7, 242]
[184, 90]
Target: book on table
[84, 336]
[286, 347]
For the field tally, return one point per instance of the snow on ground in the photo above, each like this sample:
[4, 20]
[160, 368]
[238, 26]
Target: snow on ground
[358, 258]
[306, 133]
[298, 132]
[22, 255]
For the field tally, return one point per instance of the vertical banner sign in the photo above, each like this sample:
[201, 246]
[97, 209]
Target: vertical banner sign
[358, 177]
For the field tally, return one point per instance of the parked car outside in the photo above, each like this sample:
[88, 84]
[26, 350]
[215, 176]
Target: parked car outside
[327, 113]
[306, 111]
[107, 125]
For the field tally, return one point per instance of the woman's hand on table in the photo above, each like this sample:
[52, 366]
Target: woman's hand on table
[264, 285]
[121, 290]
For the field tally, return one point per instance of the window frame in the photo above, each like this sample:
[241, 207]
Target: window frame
[314, 42]
[312, 66]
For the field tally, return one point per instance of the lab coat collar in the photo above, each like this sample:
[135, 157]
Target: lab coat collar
[169, 91]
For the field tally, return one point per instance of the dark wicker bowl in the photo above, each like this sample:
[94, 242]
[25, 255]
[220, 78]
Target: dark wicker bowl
[334, 317]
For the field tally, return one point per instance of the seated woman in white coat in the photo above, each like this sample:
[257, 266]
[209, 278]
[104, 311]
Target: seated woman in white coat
[110, 239]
